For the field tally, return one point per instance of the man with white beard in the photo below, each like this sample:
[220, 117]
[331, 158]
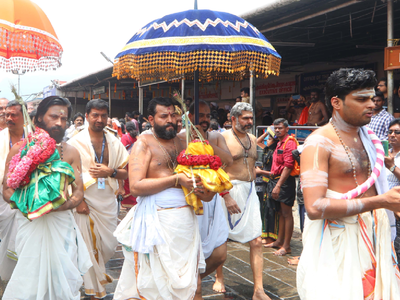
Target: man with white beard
[241, 205]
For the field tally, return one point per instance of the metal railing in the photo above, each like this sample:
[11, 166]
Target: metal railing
[300, 132]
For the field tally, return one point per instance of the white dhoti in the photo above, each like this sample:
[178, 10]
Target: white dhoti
[52, 256]
[246, 226]
[166, 231]
[214, 230]
[97, 230]
[350, 258]
[8, 232]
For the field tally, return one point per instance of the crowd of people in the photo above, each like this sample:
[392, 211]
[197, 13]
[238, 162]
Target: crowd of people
[348, 201]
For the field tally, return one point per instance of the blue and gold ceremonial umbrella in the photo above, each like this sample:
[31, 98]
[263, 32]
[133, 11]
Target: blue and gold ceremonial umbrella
[219, 45]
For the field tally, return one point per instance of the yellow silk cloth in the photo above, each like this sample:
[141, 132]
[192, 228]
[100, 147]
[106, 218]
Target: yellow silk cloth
[214, 181]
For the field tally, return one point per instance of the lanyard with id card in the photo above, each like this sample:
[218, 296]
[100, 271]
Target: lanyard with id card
[101, 182]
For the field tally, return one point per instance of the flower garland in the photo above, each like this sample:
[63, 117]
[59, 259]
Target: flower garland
[41, 147]
[199, 160]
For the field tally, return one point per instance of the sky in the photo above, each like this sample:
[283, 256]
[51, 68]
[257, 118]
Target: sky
[87, 27]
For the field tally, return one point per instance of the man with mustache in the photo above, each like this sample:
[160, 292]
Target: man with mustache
[284, 185]
[103, 161]
[295, 108]
[51, 253]
[11, 135]
[317, 114]
[160, 235]
[78, 122]
[213, 228]
[381, 118]
[241, 205]
[3, 105]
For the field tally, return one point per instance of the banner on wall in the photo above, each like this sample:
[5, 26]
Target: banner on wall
[317, 80]
[277, 87]
[210, 94]
[313, 81]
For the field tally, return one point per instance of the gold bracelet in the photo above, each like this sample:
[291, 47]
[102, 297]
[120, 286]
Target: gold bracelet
[177, 179]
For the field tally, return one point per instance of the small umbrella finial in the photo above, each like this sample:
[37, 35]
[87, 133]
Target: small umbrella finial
[195, 4]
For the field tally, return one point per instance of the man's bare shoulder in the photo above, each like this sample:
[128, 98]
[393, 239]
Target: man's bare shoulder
[182, 134]
[215, 134]
[144, 139]
[320, 105]
[71, 150]
[180, 143]
[70, 154]
[323, 136]
[226, 133]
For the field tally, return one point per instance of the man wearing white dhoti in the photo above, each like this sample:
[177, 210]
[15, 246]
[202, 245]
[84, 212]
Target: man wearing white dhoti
[103, 160]
[8, 224]
[52, 255]
[212, 224]
[241, 204]
[347, 252]
[160, 235]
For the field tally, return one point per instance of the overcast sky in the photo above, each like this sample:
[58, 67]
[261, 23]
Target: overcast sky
[86, 27]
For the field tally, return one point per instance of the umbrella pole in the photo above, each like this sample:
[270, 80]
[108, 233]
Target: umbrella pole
[140, 99]
[183, 90]
[253, 99]
[109, 97]
[76, 93]
[196, 97]
[196, 88]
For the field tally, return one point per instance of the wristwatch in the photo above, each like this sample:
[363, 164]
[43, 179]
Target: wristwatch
[114, 173]
[392, 168]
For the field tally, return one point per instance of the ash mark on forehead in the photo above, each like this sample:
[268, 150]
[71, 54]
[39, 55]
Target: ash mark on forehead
[368, 92]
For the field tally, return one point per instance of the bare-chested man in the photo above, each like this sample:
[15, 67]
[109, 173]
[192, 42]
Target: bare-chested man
[162, 244]
[3, 105]
[294, 109]
[347, 243]
[11, 135]
[317, 114]
[242, 207]
[213, 227]
[51, 253]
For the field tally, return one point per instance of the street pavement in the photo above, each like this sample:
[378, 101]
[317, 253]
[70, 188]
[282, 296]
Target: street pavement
[279, 278]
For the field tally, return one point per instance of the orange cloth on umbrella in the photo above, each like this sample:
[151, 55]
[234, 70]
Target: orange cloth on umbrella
[304, 116]
[213, 180]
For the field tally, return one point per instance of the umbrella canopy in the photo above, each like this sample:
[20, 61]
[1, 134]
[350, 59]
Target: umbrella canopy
[27, 38]
[219, 45]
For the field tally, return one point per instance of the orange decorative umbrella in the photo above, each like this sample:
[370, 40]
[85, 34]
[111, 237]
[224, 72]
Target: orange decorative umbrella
[27, 38]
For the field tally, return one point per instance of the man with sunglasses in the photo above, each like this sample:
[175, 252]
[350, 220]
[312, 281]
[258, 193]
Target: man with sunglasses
[392, 163]
[381, 118]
